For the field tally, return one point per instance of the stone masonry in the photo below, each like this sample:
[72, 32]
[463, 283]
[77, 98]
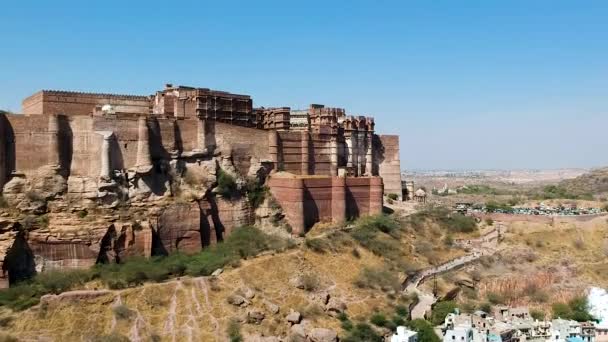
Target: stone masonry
[70, 151]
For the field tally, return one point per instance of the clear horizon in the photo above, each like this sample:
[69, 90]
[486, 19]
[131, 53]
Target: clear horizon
[467, 85]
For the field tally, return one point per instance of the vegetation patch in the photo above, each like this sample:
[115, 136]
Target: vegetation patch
[226, 185]
[452, 222]
[576, 309]
[378, 278]
[244, 242]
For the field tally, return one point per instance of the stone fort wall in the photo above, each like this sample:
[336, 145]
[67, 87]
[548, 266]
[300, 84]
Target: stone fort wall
[389, 164]
[28, 142]
[308, 200]
[77, 103]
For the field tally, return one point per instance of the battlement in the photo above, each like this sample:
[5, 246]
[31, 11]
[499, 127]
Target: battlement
[89, 94]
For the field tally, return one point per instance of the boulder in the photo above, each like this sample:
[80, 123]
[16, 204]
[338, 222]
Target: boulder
[217, 272]
[272, 307]
[297, 333]
[248, 293]
[255, 316]
[335, 307]
[323, 335]
[321, 298]
[294, 317]
[237, 300]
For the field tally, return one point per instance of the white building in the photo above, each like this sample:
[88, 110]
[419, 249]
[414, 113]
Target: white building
[404, 335]
[460, 333]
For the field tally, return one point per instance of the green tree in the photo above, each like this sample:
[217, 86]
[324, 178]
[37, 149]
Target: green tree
[424, 329]
[362, 332]
[440, 310]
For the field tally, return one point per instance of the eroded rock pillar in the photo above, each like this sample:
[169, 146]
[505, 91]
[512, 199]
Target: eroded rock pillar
[376, 190]
[305, 153]
[273, 148]
[144, 161]
[338, 199]
[53, 143]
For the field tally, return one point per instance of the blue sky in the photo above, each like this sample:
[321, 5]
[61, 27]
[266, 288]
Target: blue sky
[466, 84]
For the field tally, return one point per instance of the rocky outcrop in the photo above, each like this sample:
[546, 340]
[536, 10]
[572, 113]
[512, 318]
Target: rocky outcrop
[178, 228]
[74, 221]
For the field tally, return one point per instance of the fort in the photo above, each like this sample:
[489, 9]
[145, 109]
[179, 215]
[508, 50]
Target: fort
[71, 153]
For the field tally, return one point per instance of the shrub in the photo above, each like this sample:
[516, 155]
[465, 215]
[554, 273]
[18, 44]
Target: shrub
[383, 223]
[393, 196]
[379, 319]
[375, 278]
[362, 332]
[378, 234]
[256, 192]
[347, 325]
[489, 221]
[310, 282]
[60, 281]
[495, 298]
[318, 245]
[448, 240]
[43, 221]
[29, 222]
[34, 196]
[226, 184]
[537, 314]
[398, 320]
[442, 216]
[311, 311]
[82, 214]
[576, 309]
[441, 310]
[401, 310]
[234, 331]
[122, 312]
[425, 330]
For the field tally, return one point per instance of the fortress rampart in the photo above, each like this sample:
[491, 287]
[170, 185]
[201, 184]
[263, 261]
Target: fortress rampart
[71, 152]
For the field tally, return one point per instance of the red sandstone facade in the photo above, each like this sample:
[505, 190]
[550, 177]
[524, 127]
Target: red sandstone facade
[340, 168]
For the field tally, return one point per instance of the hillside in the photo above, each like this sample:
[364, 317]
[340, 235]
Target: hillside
[342, 280]
[356, 271]
[594, 182]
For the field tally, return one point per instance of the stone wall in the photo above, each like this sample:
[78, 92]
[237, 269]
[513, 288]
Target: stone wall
[73, 103]
[544, 219]
[389, 166]
[308, 200]
[27, 142]
[304, 153]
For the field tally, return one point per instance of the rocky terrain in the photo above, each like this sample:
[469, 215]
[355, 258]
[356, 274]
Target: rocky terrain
[178, 207]
[334, 275]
